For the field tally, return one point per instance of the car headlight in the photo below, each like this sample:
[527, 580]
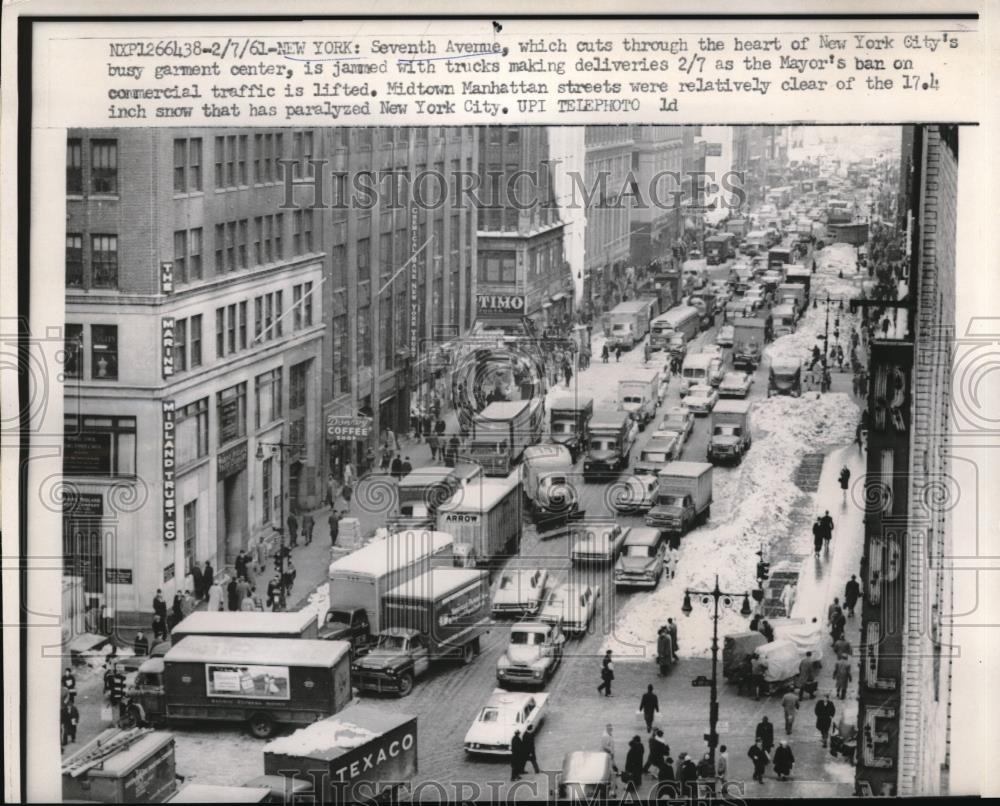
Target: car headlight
[537, 673]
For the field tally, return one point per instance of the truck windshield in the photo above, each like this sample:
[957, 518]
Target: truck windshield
[726, 431]
[671, 500]
[620, 327]
[694, 372]
[562, 427]
[338, 617]
[490, 447]
[391, 642]
[413, 510]
[632, 399]
[601, 445]
[527, 638]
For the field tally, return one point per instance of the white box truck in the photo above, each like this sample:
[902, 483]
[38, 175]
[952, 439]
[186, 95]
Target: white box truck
[730, 437]
[639, 395]
[628, 323]
[501, 432]
[685, 497]
[484, 517]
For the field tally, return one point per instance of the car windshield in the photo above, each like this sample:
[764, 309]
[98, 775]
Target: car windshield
[490, 714]
[658, 457]
[391, 642]
[506, 583]
[527, 638]
[638, 551]
[694, 372]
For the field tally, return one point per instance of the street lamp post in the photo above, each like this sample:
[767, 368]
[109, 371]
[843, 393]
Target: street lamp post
[278, 449]
[715, 596]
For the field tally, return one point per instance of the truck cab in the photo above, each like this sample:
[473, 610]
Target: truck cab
[534, 651]
[347, 625]
[639, 395]
[569, 423]
[400, 655]
[785, 378]
[730, 437]
[611, 439]
[641, 562]
[684, 499]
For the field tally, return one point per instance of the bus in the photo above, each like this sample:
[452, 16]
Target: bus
[684, 320]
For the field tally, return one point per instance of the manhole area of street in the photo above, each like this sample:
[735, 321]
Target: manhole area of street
[808, 472]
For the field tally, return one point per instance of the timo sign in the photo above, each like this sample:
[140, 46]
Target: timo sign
[500, 304]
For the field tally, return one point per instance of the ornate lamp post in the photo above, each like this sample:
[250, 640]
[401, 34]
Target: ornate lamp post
[714, 597]
[278, 449]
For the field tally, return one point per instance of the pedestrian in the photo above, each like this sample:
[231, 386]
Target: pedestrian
[242, 592]
[334, 523]
[176, 610]
[859, 436]
[842, 675]
[308, 524]
[838, 626]
[288, 578]
[274, 587]
[240, 563]
[386, 459]
[567, 372]
[767, 630]
[845, 480]
[765, 733]
[826, 522]
[667, 778]
[832, 610]
[140, 646]
[198, 581]
[843, 647]
[790, 707]
[646, 353]
[208, 577]
[658, 750]
[293, 530]
[608, 745]
[433, 443]
[815, 358]
[758, 755]
[396, 468]
[649, 706]
[516, 756]
[825, 711]
[187, 603]
[688, 775]
[618, 353]
[784, 760]
[817, 537]
[607, 674]
[350, 479]
[528, 750]
[159, 628]
[160, 604]
[406, 468]
[69, 685]
[453, 445]
[214, 597]
[440, 427]
[852, 592]
[69, 719]
[604, 354]
[672, 631]
[807, 676]
[758, 669]
[232, 595]
[633, 762]
[722, 768]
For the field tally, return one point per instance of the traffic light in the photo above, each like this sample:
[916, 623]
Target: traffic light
[758, 595]
[762, 570]
[117, 687]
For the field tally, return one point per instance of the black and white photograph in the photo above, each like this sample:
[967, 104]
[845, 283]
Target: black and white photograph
[509, 462]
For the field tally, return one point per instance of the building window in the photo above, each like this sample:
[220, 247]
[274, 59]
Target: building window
[279, 231]
[231, 328]
[99, 446]
[180, 256]
[104, 166]
[364, 262]
[104, 352]
[307, 230]
[364, 343]
[73, 347]
[220, 332]
[341, 347]
[220, 241]
[297, 433]
[307, 305]
[338, 262]
[297, 384]
[267, 388]
[268, 317]
[187, 165]
[241, 243]
[243, 326]
[192, 431]
[231, 410]
[195, 341]
[265, 488]
[190, 534]
[220, 156]
[74, 166]
[194, 253]
[231, 176]
[303, 145]
[74, 260]
[296, 307]
[258, 240]
[277, 312]
[104, 260]
[258, 318]
[241, 159]
[497, 267]
[231, 245]
[180, 345]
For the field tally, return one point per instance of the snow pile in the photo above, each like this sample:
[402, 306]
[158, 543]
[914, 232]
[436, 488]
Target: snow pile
[321, 737]
[761, 496]
[95, 661]
[319, 601]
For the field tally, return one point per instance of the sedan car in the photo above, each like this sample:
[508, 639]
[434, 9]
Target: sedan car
[634, 494]
[504, 712]
[678, 419]
[736, 384]
[574, 603]
[598, 543]
[701, 399]
[726, 336]
[520, 591]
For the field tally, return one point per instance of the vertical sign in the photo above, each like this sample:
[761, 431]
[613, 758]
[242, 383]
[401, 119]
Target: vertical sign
[168, 444]
[414, 278]
[167, 277]
[167, 341]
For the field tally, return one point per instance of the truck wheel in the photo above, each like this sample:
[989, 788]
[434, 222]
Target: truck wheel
[468, 653]
[261, 726]
[405, 684]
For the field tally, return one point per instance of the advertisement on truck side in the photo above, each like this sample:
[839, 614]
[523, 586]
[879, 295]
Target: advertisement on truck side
[255, 682]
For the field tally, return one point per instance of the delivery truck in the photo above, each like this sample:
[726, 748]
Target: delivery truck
[262, 682]
[361, 755]
[500, 433]
[785, 377]
[748, 343]
[133, 765]
[717, 250]
[569, 421]
[793, 294]
[628, 323]
[730, 435]
[639, 395]
[422, 491]
[784, 319]
[484, 518]
[360, 579]
[738, 226]
[779, 257]
[612, 435]
[800, 275]
[438, 615]
[684, 499]
[547, 480]
[297, 624]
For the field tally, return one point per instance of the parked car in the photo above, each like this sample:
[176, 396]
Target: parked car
[724, 338]
[678, 419]
[520, 591]
[701, 399]
[504, 712]
[634, 494]
[736, 384]
[598, 542]
[573, 604]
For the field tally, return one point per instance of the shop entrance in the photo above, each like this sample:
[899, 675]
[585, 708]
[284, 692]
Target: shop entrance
[233, 495]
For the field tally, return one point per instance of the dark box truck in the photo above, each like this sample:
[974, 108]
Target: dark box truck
[569, 421]
[360, 755]
[254, 624]
[262, 682]
[122, 766]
